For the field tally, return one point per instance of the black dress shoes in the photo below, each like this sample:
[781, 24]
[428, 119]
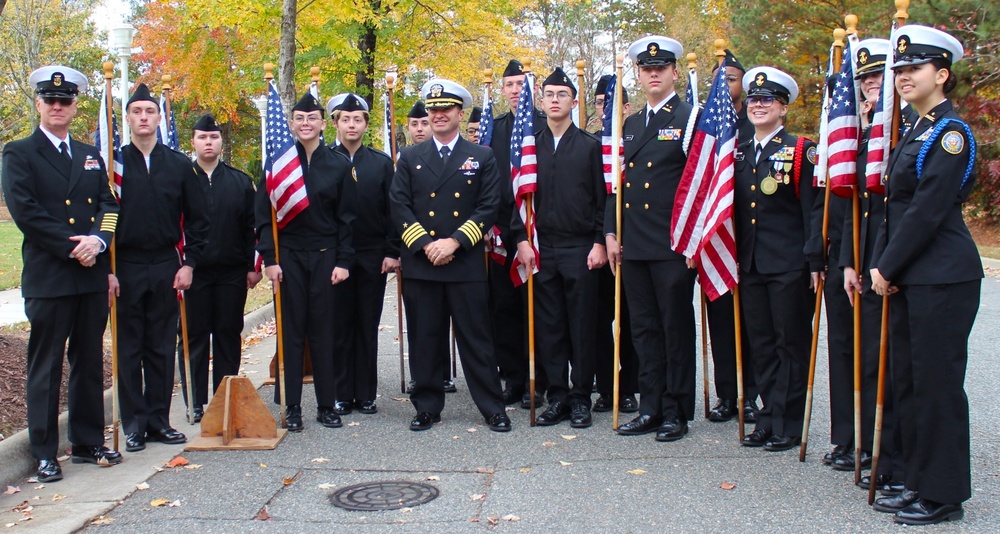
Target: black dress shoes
[724, 411]
[424, 421]
[199, 413]
[499, 422]
[628, 404]
[604, 404]
[97, 454]
[837, 452]
[846, 461]
[526, 400]
[894, 504]
[48, 470]
[293, 418]
[343, 407]
[579, 416]
[135, 442]
[556, 413]
[644, 424]
[512, 394]
[449, 386]
[328, 417]
[367, 407]
[781, 443]
[166, 435]
[672, 429]
[750, 410]
[884, 484]
[758, 438]
[927, 512]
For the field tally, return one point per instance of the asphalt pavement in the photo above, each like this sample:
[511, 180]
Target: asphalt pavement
[555, 479]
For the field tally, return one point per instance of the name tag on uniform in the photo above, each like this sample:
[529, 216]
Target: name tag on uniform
[785, 154]
[739, 156]
[669, 134]
[91, 164]
[629, 137]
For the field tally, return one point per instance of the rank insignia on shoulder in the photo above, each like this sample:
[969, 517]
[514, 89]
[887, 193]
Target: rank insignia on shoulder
[953, 142]
[811, 155]
[669, 134]
[91, 164]
[924, 136]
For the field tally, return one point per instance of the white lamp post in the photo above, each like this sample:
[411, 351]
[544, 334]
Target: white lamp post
[120, 39]
[261, 103]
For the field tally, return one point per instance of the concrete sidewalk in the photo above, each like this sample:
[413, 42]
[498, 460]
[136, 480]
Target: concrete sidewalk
[11, 307]
[530, 480]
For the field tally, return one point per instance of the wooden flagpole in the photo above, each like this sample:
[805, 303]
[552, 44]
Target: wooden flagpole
[691, 65]
[580, 66]
[109, 159]
[531, 284]
[268, 77]
[838, 50]
[616, 173]
[390, 84]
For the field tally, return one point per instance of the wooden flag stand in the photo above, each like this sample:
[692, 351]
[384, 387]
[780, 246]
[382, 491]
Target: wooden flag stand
[237, 419]
[307, 368]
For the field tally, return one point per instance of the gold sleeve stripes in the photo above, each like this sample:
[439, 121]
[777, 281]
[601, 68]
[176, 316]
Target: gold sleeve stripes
[472, 231]
[108, 222]
[413, 233]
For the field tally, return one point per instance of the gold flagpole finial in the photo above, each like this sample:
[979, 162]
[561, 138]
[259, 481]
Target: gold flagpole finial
[109, 69]
[527, 65]
[720, 50]
[580, 65]
[268, 71]
[487, 75]
[165, 81]
[390, 80]
[692, 60]
[901, 14]
[314, 73]
[851, 21]
[838, 37]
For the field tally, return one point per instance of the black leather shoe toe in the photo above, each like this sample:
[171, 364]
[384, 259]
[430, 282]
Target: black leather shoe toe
[846, 461]
[579, 416]
[343, 407]
[135, 442]
[526, 401]
[781, 443]
[926, 512]
[512, 394]
[293, 418]
[499, 422]
[424, 421]
[672, 430]
[328, 417]
[49, 470]
[644, 424]
[894, 504]
[449, 386]
[603, 404]
[628, 404]
[366, 407]
[757, 438]
[99, 455]
[166, 435]
[199, 413]
[750, 410]
[837, 452]
[723, 411]
[556, 413]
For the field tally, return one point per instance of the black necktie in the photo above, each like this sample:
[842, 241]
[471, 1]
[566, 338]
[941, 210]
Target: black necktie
[445, 152]
[64, 150]
[649, 118]
[756, 153]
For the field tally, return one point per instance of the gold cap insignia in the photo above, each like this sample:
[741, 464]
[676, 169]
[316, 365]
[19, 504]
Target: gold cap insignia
[761, 79]
[863, 57]
[653, 49]
[902, 44]
[436, 90]
[57, 79]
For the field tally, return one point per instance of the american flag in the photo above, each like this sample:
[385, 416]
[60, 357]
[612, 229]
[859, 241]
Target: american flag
[386, 124]
[167, 131]
[691, 94]
[286, 186]
[822, 147]
[843, 128]
[609, 117]
[702, 223]
[101, 141]
[880, 136]
[524, 169]
[486, 121]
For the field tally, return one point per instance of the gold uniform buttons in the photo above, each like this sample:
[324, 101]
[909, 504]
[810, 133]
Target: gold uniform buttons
[432, 233]
[753, 204]
[458, 195]
[753, 221]
[91, 219]
[753, 187]
[470, 182]
[68, 202]
[885, 199]
[72, 220]
[649, 164]
[646, 185]
[90, 201]
[626, 205]
[646, 206]
[455, 214]
[631, 164]
[628, 184]
[431, 214]
[418, 167]
[433, 195]
[866, 194]
[866, 215]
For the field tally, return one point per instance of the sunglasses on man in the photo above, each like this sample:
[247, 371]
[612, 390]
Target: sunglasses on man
[64, 101]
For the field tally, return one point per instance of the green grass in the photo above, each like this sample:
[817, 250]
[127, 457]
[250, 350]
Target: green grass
[10, 255]
[259, 296]
[989, 252]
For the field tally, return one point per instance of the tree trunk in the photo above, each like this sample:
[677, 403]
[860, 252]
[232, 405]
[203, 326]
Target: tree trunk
[286, 54]
[364, 78]
[227, 142]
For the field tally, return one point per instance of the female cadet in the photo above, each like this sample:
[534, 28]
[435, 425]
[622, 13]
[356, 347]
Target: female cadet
[926, 260]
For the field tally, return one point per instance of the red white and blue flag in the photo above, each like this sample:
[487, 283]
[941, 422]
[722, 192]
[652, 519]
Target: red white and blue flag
[702, 222]
[101, 141]
[284, 181]
[609, 118]
[166, 133]
[524, 170]
[880, 136]
[844, 128]
[486, 120]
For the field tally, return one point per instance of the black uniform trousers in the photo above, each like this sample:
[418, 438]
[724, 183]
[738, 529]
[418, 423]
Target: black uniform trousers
[508, 309]
[81, 319]
[307, 310]
[628, 372]
[215, 305]
[890, 461]
[722, 332]
[840, 342]
[930, 327]
[566, 322]
[359, 309]
[429, 305]
[781, 308]
[147, 335]
[660, 297]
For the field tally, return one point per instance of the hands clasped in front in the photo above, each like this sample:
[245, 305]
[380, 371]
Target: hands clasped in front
[86, 250]
[441, 251]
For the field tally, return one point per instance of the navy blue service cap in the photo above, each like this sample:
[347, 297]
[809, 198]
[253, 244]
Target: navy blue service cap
[418, 111]
[141, 94]
[514, 68]
[559, 77]
[308, 103]
[207, 123]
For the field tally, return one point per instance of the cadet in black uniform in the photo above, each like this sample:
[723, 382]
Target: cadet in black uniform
[657, 280]
[160, 188]
[569, 218]
[218, 290]
[721, 312]
[779, 254]
[926, 260]
[443, 198]
[418, 124]
[316, 254]
[376, 249]
[628, 374]
[472, 127]
[65, 277]
[508, 304]
[871, 57]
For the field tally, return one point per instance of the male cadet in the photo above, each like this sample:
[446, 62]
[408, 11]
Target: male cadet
[418, 125]
[316, 254]
[218, 290]
[721, 313]
[160, 189]
[58, 195]
[376, 250]
[569, 217]
[508, 303]
[628, 375]
[472, 127]
[657, 280]
[444, 195]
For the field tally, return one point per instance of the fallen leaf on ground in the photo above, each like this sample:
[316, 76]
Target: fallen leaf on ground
[174, 504]
[473, 520]
[455, 437]
[485, 470]
[637, 472]
[157, 469]
[263, 465]
[565, 464]
[727, 485]
[12, 490]
[400, 399]
[525, 470]
[193, 466]
[36, 498]
[177, 462]
[325, 486]
[405, 510]
[493, 520]
[470, 430]
[57, 497]
[433, 478]
[478, 496]
[63, 458]
[263, 514]
[159, 502]
[548, 444]
[142, 486]
[24, 508]
[25, 518]
[320, 460]
[8, 525]
[288, 481]
[32, 480]
[563, 436]
[354, 423]
[510, 517]
[101, 520]
[38, 487]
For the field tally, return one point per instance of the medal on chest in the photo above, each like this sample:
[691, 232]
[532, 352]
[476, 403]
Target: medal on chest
[769, 185]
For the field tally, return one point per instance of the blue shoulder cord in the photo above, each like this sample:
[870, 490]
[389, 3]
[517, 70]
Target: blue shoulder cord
[929, 142]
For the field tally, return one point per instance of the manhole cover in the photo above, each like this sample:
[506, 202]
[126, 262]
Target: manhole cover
[386, 495]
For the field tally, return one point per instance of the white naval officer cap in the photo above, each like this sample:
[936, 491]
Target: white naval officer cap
[870, 56]
[442, 93]
[58, 81]
[769, 81]
[916, 45]
[655, 50]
